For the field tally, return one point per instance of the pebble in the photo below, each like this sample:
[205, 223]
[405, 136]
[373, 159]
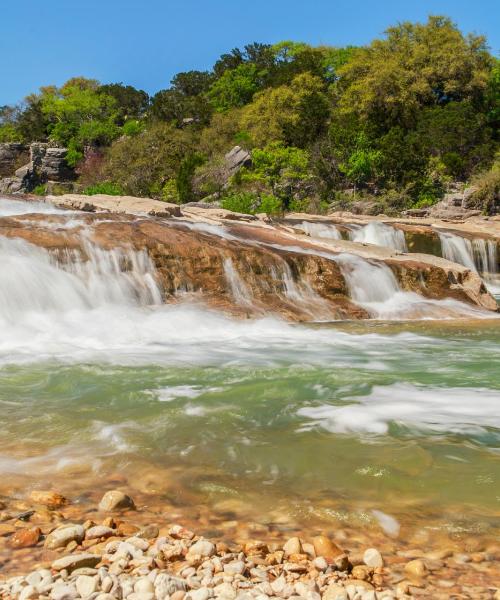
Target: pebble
[48, 498]
[416, 568]
[98, 531]
[75, 561]
[202, 548]
[335, 592]
[115, 500]
[323, 546]
[373, 558]
[25, 538]
[62, 536]
[292, 546]
[86, 585]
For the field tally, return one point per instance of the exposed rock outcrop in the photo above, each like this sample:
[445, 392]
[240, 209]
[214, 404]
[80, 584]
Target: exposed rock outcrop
[246, 266]
[12, 155]
[47, 165]
[236, 158]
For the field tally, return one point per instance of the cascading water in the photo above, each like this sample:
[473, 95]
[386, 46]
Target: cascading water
[320, 230]
[374, 286]
[478, 255]
[239, 290]
[379, 234]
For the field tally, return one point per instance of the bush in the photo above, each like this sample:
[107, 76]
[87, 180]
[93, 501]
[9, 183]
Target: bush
[271, 205]
[106, 187]
[244, 202]
[487, 195]
[40, 190]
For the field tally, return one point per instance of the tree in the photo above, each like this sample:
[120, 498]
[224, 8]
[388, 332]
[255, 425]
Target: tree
[145, 163]
[130, 102]
[415, 66]
[295, 114]
[236, 87]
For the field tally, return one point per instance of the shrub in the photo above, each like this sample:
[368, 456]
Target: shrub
[271, 205]
[244, 202]
[106, 187]
[40, 190]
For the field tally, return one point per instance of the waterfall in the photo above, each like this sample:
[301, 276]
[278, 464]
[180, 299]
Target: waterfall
[374, 287]
[379, 234]
[239, 290]
[320, 230]
[35, 280]
[478, 255]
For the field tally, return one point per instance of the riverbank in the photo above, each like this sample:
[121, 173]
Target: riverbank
[121, 548]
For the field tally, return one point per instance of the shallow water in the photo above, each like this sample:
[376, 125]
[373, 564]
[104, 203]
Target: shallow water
[265, 420]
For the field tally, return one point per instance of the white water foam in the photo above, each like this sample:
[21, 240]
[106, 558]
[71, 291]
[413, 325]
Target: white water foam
[320, 230]
[379, 234]
[416, 408]
[374, 286]
[9, 208]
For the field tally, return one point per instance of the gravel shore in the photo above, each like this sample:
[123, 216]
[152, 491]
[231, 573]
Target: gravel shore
[115, 558]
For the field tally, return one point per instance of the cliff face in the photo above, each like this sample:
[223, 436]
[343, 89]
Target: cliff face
[250, 267]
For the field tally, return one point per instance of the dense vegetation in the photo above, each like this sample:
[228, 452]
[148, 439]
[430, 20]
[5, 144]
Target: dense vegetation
[395, 122]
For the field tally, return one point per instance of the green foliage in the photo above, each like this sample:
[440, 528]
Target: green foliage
[106, 187]
[271, 205]
[244, 202]
[40, 190]
[144, 163]
[390, 124]
[486, 196]
[133, 127]
[295, 114]
[236, 87]
[415, 66]
[184, 179]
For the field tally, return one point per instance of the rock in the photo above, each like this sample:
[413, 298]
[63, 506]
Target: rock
[292, 546]
[324, 547]
[236, 158]
[25, 538]
[48, 498]
[63, 591]
[98, 531]
[28, 593]
[86, 585]
[75, 561]
[116, 500]
[416, 568]
[320, 563]
[202, 593]
[144, 585]
[150, 532]
[335, 592]
[236, 567]
[62, 536]
[11, 155]
[225, 590]
[373, 558]
[202, 548]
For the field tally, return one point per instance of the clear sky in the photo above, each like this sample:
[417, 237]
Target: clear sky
[145, 42]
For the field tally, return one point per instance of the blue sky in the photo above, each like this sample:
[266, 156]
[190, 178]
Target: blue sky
[145, 42]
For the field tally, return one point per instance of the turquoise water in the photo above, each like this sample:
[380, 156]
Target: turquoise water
[341, 418]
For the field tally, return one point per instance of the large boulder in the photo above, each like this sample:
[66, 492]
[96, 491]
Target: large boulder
[11, 157]
[236, 158]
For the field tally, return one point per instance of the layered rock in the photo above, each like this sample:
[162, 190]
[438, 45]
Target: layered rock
[241, 264]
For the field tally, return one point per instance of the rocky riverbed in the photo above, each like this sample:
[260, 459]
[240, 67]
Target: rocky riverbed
[120, 549]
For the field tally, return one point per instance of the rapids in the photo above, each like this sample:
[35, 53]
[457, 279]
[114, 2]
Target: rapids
[329, 422]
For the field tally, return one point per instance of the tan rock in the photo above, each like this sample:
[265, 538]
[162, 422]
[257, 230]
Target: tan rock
[75, 561]
[25, 538]
[115, 500]
[48, 498]
[292, 546]
[62, 536]
[416, 568]
[323, 546]
[335, 591]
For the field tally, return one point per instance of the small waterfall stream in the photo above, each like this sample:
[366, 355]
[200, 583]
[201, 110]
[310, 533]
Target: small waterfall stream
[478, 255]
[379, 234]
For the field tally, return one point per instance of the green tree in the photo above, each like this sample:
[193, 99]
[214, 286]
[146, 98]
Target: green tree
[131, 103]
[415, 66]
[295, 114]
[236, 87]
